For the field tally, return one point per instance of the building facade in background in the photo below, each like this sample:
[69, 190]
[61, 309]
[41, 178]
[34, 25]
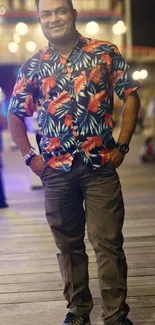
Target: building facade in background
[22, 36]
[109, 20]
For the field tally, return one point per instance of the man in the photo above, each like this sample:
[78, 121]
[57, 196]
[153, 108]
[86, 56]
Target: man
[73, 80]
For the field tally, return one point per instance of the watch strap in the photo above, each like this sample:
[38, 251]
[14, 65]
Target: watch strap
[28, 157]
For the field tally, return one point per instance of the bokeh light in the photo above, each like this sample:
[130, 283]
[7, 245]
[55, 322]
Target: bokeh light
[13, 47]
[119, 28]
[21, 28]
[16, 38]
[31, 46]
[92, 28]
[2, 11]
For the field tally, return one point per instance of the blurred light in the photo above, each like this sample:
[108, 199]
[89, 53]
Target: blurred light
[143, 74]
[21, 28]
[140, 74]
[136, 75]
[119, 28]
[31, 46]
[2, 11]
[92, 28]
[16, 38]
[2, 95]
[13, 47]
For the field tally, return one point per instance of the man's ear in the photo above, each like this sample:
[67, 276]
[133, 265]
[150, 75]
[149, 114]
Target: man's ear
[75, 13]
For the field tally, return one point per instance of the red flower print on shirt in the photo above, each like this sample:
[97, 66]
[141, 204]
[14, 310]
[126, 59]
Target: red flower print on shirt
[63, 98]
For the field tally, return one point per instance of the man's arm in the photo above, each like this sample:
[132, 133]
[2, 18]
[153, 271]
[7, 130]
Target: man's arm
[129, 120]
[19, 136]
[17, 128]
[130, 116]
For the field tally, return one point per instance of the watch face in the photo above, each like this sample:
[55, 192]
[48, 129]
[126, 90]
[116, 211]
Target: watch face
[124, 148]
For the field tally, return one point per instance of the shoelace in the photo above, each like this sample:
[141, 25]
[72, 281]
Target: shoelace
[73, 318]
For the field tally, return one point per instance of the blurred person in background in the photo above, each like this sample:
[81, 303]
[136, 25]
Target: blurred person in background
[3, 203]
[74, 79]
[147, 154]
[151, 114]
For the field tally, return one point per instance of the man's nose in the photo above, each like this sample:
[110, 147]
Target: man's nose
[54, 17]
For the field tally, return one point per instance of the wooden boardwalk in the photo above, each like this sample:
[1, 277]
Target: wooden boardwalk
[30, 282]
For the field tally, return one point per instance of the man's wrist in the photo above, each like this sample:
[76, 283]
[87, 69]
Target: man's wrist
[29, 156]
[123, 148]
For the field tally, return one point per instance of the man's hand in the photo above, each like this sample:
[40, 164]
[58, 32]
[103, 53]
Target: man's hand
[37, 165]
[116, 157]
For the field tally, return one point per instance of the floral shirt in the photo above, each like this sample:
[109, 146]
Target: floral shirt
[74, 99]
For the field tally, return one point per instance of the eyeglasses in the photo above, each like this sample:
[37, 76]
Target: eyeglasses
[47, 14]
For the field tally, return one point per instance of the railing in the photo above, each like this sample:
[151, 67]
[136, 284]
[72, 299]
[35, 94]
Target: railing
[80, 5]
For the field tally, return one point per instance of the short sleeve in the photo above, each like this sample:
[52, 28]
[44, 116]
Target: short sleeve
[122, 81]
[25, 94]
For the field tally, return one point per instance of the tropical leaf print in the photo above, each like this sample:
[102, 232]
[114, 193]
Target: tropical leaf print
[53, 144]
[64, 97]
[47, 85]
[117, 75]
[81, 61]
[68, 120]
[45, 55]
[59, 161]
[29, 105]
[92, 45]
[108, 120]
[91, 143]
[95, 101]
[107, 59]
[80, 82]
[105, 156]
[75, 98]
[19, 86]
[97, 74]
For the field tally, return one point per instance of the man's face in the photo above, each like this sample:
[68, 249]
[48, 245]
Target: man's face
[57, 20]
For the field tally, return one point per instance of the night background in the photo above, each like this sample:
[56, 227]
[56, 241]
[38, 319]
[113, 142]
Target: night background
[143, 22]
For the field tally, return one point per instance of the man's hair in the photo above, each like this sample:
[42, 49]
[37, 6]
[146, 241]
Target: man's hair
[70, 3]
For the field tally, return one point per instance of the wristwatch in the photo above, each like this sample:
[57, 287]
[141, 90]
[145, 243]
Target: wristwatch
[27, 158]
[123, 147]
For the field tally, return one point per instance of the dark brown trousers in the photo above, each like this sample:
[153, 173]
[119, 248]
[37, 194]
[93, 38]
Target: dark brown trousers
[65, 195]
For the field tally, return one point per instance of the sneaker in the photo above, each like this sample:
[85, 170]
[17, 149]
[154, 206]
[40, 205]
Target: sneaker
[72, 319]
[125, 321]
